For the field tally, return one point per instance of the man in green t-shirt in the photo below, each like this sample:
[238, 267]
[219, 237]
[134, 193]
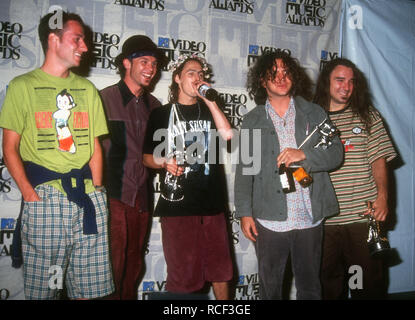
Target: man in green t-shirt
[51, 120]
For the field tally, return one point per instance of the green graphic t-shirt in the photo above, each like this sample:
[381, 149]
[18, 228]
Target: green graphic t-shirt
[57, 119]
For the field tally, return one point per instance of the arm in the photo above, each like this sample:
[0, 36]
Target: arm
[96, 163]
[319, 159]
[380, 175]
[248, 228]
[14, 163]
[221, 122]
[290, 155]
[243, 203]
[243, 189]
[162, 163]
[314, 159]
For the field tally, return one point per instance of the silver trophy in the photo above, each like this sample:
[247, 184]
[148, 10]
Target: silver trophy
[327, 133]
[377, 244]
[172, 189]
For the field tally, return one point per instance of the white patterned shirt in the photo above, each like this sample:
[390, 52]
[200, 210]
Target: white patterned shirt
[299, 215]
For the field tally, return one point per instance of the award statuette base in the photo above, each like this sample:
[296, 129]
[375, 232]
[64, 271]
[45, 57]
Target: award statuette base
[378, 245]
[172, 190]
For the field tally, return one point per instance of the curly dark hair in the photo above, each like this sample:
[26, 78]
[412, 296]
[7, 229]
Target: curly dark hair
[266, 67]
[360, 100]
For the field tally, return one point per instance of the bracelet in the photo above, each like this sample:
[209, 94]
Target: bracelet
[99, 188]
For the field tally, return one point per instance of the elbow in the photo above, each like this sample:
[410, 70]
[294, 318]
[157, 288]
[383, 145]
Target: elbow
[146, 160]
[226, 134]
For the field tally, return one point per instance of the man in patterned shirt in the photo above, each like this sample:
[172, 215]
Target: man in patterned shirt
[283, 225]
[343, 91]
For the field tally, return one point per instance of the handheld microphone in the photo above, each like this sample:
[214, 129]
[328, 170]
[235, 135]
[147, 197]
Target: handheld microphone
[208, 92]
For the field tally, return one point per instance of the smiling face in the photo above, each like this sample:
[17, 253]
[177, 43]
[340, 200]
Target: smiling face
[70, 45]
[140, 71]
[341, 87]
[279, 85]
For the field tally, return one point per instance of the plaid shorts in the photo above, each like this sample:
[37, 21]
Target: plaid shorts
[56, 250]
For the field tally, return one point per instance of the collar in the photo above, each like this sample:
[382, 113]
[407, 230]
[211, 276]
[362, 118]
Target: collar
[339, 111]
[126, 93]
[269, 108]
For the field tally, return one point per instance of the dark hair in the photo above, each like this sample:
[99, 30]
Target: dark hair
[360, 100]
[174, 87]
[44, 28]
[266, 67]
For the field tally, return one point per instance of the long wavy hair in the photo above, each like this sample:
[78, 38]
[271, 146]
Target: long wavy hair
[360, 100]
[174, 87]
[266, 67]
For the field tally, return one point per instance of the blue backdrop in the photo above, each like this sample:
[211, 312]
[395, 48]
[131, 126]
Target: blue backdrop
[379, 36]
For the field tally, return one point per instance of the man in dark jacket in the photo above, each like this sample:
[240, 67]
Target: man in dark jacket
[283, 224]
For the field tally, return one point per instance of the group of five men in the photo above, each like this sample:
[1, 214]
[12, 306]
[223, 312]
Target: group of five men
[66, 178]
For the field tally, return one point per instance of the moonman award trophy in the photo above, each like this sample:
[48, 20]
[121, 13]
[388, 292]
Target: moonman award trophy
[377, 244]
[172, 189]
[327, 133]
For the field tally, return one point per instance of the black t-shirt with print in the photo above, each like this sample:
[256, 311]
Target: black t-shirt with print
[204, 184]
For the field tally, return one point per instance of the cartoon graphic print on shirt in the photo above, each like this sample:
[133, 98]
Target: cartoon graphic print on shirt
[64, 102]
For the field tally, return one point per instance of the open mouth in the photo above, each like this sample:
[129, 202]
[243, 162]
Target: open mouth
[147, 76]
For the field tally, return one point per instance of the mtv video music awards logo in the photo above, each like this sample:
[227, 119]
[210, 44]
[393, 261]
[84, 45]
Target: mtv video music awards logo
[326, 56]
[306, 12]
[235, 107]
[174, 47]
[105, 50]
[234, 222]
[143, 4]
[255, 51]
[7, 226]
[5, 178]
[242, 6]
[10, 34]
[247, 287]
[151, 287]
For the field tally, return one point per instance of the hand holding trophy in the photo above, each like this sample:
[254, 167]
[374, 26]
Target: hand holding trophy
[327, 132]
[172, 189]
[377, 244]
